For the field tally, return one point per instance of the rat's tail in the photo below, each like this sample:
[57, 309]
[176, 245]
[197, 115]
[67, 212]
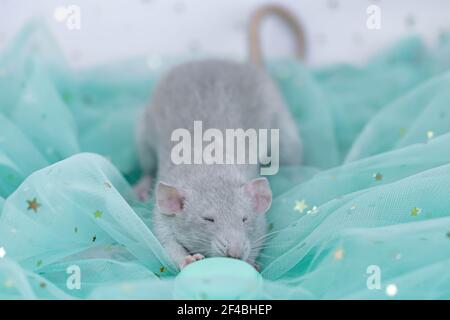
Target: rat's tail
[254, 41]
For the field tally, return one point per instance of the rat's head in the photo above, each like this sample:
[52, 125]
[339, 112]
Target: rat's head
[223, 219]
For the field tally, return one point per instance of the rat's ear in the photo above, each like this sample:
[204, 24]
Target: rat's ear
[260, 194]
[169, 199]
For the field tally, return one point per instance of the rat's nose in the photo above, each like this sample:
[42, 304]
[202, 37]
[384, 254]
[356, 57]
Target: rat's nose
[234, 253]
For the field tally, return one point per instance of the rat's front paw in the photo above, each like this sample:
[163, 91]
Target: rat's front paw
[191, 258]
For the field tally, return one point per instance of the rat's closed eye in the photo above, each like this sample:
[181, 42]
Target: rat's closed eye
[244, 219]
[208, 219]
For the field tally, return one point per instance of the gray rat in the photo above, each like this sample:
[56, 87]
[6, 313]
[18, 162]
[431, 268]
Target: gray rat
[206, 210]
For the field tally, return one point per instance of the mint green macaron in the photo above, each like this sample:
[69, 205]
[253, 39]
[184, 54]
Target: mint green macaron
[218, 278]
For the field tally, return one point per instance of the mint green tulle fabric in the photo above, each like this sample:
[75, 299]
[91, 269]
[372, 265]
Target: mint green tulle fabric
[373, 191]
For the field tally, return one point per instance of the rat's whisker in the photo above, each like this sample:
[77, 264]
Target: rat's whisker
[262, 254]
[270, 245]
[198, 243]
[223, 246]
[263, 240]
[218, 249]
[268, 235]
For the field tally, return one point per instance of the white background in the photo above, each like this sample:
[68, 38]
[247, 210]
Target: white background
[335, 29]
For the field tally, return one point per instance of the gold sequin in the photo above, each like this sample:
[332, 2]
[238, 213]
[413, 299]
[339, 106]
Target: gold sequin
[98, 214]
[33, 205]
[339, 254]
[415, 211]
[300, 206]
[377, 176]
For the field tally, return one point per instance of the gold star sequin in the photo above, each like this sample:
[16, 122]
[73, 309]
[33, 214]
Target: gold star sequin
[43, 285]
[300, 206]
[162, 269]
[98, 214]
[108, 185]
[39, 263]
[415, 211]
[448, 234]
[430, 134]
[377, 176]
[33, 205]
[339, 254]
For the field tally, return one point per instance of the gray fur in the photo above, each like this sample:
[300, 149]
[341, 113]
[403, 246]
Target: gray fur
[224, 95]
